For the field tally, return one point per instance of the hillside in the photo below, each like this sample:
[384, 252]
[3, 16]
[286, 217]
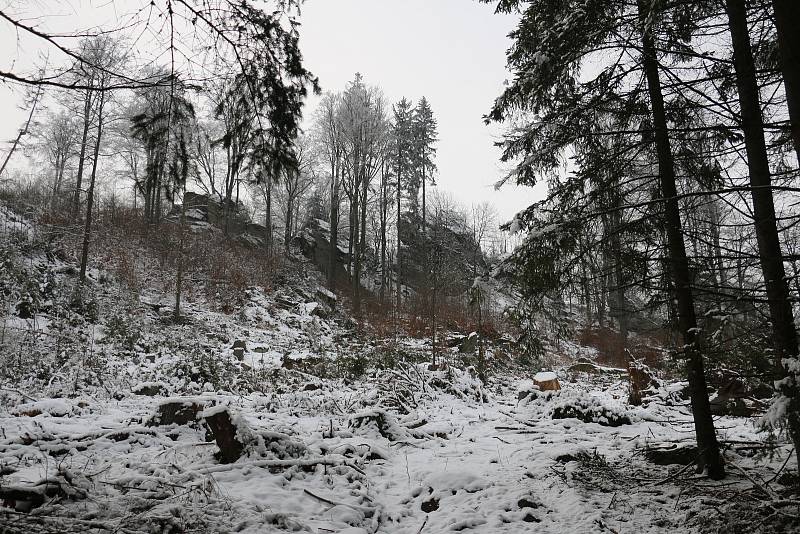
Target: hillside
[281, 415]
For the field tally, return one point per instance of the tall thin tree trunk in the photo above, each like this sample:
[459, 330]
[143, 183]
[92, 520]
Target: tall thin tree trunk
[287, 231]
[769, 246]
[87, 119]
[679, 264]
[399, 244]
[56, 182]
[424, 208]
[334, 224]
[87, 229]
[268, 215]
[179, 274]
[787, 23]
[384, 216]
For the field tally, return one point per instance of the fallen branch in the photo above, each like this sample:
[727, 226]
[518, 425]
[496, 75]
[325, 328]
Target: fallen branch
[366, 510]
[520, 421]
[331, 461]
[18, 392]
[756, 485]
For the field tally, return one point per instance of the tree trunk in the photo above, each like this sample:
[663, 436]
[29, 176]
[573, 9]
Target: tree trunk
[384, 217]
[56, 182]
[399, 202]
[287, 231]
[87, 229]
[268, 215]
[769, 246]
[787, 23]
[87, 120]
[679, 266]
[334, 223]
[424, 209]
[179, 274]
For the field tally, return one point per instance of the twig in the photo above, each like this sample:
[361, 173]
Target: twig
[789, 457]
[520, 421]
[673, 475]
[751, 479]
[365, 509]
[18, 392]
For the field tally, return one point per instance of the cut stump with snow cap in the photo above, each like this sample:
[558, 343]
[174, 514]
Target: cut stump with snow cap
[546, 381]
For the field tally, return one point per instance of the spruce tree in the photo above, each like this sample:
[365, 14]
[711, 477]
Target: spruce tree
[401, 149]
[425, 136]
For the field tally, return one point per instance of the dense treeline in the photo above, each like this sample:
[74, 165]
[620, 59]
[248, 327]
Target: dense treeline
[667, 133]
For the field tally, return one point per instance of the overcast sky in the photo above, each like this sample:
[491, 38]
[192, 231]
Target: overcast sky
[451, 51]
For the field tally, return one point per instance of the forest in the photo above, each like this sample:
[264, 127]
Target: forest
[237, 297]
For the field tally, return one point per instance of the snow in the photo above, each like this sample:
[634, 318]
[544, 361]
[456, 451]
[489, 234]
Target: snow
[398, 449]
[491, 474]
[48, 407]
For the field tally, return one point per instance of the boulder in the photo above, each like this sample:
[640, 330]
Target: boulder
[326, 297]
[469, 344]
[149, 389]
[177, 411]
[584, 367]
[546, 381]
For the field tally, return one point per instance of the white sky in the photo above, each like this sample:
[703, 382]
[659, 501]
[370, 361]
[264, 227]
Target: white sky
[451, 51]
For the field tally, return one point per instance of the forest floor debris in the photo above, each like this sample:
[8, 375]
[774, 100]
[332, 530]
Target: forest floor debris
[314, 468]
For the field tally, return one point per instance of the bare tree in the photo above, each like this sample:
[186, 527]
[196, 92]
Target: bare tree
[328, 137]
[365, 128]
[34, 98]
[58, 140]
[106, 53]
[295, 184]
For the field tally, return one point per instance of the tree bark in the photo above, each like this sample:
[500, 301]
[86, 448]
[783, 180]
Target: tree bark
[767, 237]
[334, 224]
[787, 24]
[87, 229]
[679, 265]
[87, 120]
[179, 274]
[399, 202]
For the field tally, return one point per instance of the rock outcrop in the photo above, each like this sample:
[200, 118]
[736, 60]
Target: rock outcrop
[205, 213]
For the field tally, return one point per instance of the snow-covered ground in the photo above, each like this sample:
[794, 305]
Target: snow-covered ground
[339, 431]
[332, 460]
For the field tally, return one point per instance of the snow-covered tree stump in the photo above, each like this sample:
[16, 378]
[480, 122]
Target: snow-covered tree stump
[546, 381]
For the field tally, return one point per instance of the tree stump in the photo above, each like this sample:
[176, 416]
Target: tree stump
[221, 424]
[546, 381]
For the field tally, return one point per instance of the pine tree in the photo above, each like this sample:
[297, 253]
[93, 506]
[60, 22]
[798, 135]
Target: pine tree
[425, 136]
[401, 143]
[558, 109]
